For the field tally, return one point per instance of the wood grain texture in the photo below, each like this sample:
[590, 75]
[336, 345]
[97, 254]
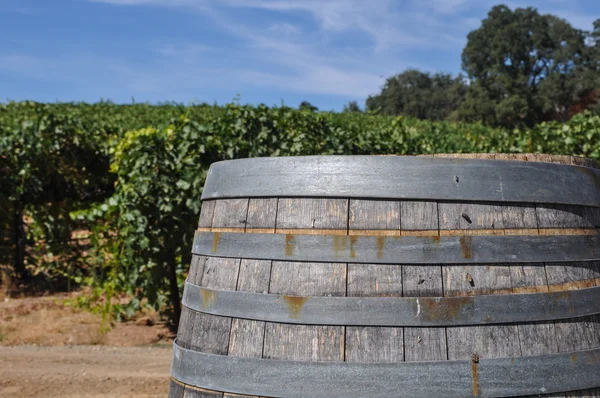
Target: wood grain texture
[419, 216]
[246, 336]
[261, 215]
[206, 214]
[581, 333]
[300, 342]
[191, 392]
[484, 341]
[374, 344]
[230, 213]
[536, 338]
[422, 344]
[188, 317]
[303, 213]
[211, 333]
[176, 389]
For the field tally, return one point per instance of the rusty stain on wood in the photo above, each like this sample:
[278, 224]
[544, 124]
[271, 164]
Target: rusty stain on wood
[574, 285]
[290, 244]
[569, 231]
[530, 289]
[260, 230]
[295, 305]
[215, 244]
[222, 229]
[380, 246]
[434, 309]
[308, 231]
[353, 240]
[591, 358]
[466, 246]
[386, 232]
[340, 243]
[476, 232]
[420, 233]
[209, 298]
[475, 375]
[375, 232]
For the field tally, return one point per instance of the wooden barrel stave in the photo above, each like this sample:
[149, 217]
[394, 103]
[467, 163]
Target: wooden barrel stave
[226, 336]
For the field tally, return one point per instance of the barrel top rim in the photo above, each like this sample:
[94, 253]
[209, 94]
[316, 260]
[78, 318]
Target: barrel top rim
[438, 157]
[404, 178]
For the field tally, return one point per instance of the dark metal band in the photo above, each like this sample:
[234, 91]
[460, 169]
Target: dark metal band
[404, 177]
[394, 311]
[399, 250]
[502, 377]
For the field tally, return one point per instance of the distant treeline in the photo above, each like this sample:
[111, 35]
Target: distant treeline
[520, 68]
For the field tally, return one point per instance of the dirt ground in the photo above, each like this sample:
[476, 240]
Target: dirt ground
[84, 371]
[49, 349]
[50, 321]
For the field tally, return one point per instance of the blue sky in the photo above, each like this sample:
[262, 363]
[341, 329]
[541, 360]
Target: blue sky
[327, 52]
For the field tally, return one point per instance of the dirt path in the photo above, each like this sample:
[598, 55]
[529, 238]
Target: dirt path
[84, 371]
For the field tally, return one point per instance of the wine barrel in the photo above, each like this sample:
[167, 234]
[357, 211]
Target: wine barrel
[392, 276]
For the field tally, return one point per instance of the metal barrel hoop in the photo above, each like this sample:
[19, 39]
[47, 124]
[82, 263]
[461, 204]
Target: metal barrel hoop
[404, 178]
[499, 377]
[399, 249]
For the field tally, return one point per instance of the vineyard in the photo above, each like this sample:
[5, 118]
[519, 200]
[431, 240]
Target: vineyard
[107, 197]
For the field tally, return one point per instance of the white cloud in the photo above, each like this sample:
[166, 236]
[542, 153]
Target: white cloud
[285, 29]
[336, 47]
[187, 49]
[324, 80]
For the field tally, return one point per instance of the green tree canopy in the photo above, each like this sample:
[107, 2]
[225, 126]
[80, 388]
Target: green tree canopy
[522, 68]
[525, 68]
[419, 94]
[352, 107]
[308, 106]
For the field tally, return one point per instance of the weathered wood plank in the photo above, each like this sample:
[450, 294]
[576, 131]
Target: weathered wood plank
[374, 214]
[176, 389]
[261, 215]
[536, 338]
[374, 344]
[469, 217]
[192, 392]
[312, 214]
[211, 332]
[422, 344]
[581, 333]
[206, 214]
[230, 214]
[419, 216]
[246, 337]
[484, 341]
[188, 317]
[576, 217]
[300, 342]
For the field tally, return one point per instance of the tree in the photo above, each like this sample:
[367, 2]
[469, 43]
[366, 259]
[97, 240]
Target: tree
[308, 106]
[525, 68]
[352, 107]
[419, 94]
